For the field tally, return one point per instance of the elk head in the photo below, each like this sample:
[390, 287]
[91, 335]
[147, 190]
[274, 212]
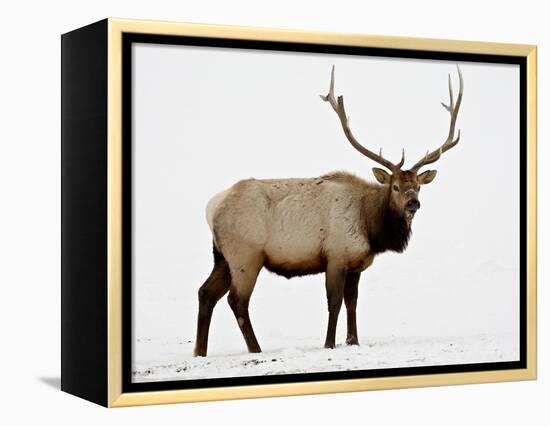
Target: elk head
[404, 185]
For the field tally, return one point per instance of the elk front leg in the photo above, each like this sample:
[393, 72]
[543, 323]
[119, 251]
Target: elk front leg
[243, 282]
[239, 306]
[335, 279]
[350, 298]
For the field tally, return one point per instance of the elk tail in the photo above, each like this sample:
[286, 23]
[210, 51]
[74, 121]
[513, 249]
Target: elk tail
[212, 208]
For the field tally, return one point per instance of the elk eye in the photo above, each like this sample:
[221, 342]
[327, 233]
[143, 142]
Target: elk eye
[395, 188]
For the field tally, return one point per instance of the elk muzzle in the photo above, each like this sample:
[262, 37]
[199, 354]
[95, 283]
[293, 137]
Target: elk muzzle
[413, 204]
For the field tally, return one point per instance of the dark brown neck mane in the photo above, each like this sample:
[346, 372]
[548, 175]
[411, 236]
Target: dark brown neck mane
[387, 229]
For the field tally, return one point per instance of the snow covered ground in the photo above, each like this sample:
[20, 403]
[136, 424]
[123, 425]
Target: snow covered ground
[307, 356]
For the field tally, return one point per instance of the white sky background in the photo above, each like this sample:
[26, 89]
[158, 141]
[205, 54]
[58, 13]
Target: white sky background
[205, 118]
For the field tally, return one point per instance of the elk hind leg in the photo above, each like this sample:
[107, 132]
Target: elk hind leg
[215, 287]
[242, 285]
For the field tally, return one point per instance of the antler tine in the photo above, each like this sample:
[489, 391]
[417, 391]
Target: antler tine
[402, 161]
[451, 103]
[451, 141]
[338, 106]
[330, 96]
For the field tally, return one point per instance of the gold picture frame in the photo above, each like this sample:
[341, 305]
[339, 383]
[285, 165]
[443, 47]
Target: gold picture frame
[111, 32]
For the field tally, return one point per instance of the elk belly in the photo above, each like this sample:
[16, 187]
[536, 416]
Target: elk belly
[295, 253]
[294, 268]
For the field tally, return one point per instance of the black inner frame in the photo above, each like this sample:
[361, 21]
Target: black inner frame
[129, 38]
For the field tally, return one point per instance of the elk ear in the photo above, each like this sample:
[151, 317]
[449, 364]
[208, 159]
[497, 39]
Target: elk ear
[426, 177]
[381, 175]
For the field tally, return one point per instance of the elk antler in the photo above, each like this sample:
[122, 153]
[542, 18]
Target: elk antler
[432, 157]
[338, 107]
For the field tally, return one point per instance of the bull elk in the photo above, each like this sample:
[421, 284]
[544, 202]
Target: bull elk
[336, 224]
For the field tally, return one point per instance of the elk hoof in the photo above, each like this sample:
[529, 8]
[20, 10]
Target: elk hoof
[199, 352]
[330, 345]
[352, 341]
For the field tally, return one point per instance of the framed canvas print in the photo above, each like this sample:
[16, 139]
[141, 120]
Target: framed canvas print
[255, 212]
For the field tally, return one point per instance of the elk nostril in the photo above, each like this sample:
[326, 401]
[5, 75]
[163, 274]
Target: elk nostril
[413, 204]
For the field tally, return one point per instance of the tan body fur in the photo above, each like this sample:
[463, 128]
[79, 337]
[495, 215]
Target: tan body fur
[296, 226]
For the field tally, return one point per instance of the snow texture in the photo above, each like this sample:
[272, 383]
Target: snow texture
[306, 356]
